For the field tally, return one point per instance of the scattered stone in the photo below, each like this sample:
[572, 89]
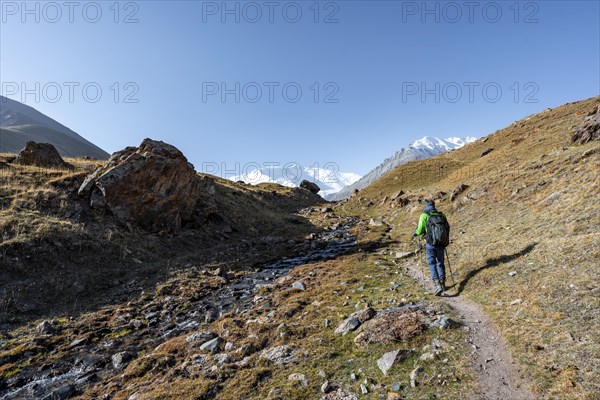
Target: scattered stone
[41, 155]
[515, 302]
[444, 322]
[45, 328]
[300, 378]
[458, 190]
[322, 374]
[375, 222]
[353, 376]
[396, 387]
[310, 186]
[229, 346]
[222, 358]
[512, 273]
[78, 342]
[427, 356]
[212, 346]
[340, 395]
[393, 396]
[279, 355]
[152, 186]
[487, 151]
[200, 337]
[327, 323]
[552, 198]
[121, 359]
[299, 285]
[413, 376]
[388, 360]
[589, 129]
[392, 325]
[364, 315]
[347, 325]
[325, 387]
[363, 389]
[403, 254]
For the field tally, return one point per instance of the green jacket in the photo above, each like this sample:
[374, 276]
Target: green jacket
[422, 226]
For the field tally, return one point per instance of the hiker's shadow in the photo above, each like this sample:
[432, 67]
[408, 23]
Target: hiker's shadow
[492, 262]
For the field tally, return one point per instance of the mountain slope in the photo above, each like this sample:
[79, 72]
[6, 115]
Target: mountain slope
[329, 180]
[420, 149]
[524, 238]
[20, 123]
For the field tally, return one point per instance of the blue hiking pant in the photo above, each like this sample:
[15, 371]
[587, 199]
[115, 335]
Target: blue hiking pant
[435, 259]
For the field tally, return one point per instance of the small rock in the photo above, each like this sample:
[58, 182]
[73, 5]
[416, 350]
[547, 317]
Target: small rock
[200, 337]
[427, 356]
[487, 151]
[121, 359]
[347, 325]
[325, 387]
[310, 186]
[78, 342]
[41, 155]
[327, 323]
[364, 315]
[443, 322]
[388, 360]
[222, 358]
[396, 387]
[299, 285]
[229, 346]
[45, 328]
[515, 302]
[279, 355]
[512, 273]
[212, 346]
[403, 254]
[363, 389]
[458, 190]
[413, 376]
[301, 378]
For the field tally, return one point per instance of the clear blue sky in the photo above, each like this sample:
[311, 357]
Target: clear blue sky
[374, 61]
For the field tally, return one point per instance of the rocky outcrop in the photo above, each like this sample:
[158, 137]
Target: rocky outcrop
[310, 186]
[589, 129]
[458, 190]
[486, 151]
[41, 155]
[152, 186]
[392, 325]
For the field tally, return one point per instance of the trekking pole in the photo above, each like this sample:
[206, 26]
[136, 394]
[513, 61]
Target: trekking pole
[450, 268]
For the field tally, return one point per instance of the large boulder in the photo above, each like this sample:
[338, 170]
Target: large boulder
[310, 186]
[589, 129]
[152, 186]
[41, 155]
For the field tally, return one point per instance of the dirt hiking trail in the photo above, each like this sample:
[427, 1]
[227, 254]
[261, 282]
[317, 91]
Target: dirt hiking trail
[498, 375]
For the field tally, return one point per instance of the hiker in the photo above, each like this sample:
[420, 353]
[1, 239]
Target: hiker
[435, 227]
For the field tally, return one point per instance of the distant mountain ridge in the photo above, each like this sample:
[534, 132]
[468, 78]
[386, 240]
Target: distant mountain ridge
[20, 123]
[418, 150]
[329, 180]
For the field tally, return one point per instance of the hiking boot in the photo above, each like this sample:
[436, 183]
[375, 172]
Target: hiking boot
[438, 288]
[443, 283]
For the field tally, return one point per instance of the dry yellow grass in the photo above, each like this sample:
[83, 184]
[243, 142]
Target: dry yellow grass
[531, 207]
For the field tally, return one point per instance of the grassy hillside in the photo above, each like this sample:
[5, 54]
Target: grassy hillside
[531, 207]
[57, 254]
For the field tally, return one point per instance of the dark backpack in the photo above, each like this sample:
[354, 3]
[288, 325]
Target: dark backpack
[438, 230]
